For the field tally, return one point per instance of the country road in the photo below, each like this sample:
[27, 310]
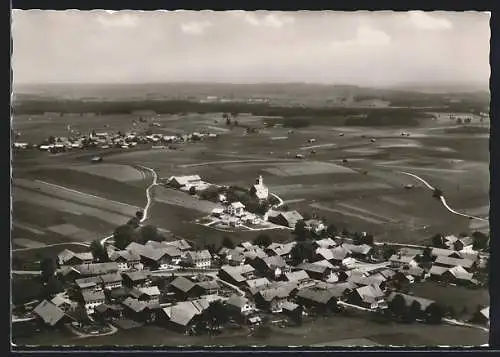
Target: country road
[443, 199]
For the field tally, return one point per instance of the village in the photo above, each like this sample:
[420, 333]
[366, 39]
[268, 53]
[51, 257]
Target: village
[171, 282]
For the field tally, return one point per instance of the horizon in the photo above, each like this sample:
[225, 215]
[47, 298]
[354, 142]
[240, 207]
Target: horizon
[377, 49]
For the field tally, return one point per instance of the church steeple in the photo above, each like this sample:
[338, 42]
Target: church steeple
[259, 180]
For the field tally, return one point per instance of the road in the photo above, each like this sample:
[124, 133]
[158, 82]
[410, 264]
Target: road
[83, 244]
[148, 197]
[443, 199]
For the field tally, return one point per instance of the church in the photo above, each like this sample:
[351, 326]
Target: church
[259, 190]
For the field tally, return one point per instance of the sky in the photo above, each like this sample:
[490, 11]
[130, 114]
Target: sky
[361, 48]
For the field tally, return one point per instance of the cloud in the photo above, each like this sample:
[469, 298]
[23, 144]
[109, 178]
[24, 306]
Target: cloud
[426, 21]
[365, 36]
[195, 28]
[270, 20]
[113, 19]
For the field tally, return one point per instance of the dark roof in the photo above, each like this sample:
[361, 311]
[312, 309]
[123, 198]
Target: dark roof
[208, 284]
[311, 267]
[359, 249]
[111, 278]
[89, 296]
[237, 300]
[124, 255]
[297, 275]
[318, 295]
[182, 283]
[96, 268]
[136, 275]
[448, 261]
[49, 313]
[134, 304]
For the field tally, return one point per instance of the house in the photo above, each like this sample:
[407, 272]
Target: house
[217, 212]
[91, 299]
[255, 253]
[324, 254]
[399, 261]
[180, 244]
[239, 306]
[292, 310]
[209, 287]
[64, 303]
[449, 241]
[271, 267]
[92, 283]
[360, 279]
[236, 209]
[50, 314]
[436, 272]
[339, 254]
[271, 298]
[155, 258]
[298, 275]
[259, 190]
[199, 259]
[319, 298]
[183, 315]
[236, 274]
[369, 296]
[459, 275]
[106, 312]
[315, 226]
[150, 295]
[326, 243]
[111, 281]
[96, 269]
[463, 243]
[135, 279]
[315, 271]
[126, 260]
[283, 250]
[453, 262]
[140, 310]
[185, 288]
[362, 251]
[438, 252]
[69, 258]
[287, 219]
[233, 256]
[413, 274]
[255, 284]
[184, 182]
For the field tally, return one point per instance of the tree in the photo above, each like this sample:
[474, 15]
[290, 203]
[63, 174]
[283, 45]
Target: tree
[98, 251]
[150, 232]
[434, 313]
[123, 236]
[345, 232]
[134, 222]
[227, 242]
[426, 255]
[51, 139]
[332, 229]
[216, 315]
[192, 190]
[301, 251]
[438, 241]
[398, 305]
[368, 239]
[262, 240]
[51, 287]
[300, 231]
[48, 268]
[416, 309]
[480, 240]
[139, 215]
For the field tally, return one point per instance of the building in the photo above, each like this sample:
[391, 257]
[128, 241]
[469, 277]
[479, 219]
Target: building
[95, 269]
[106, 312]
[240, 305]
[453, 262]
[319, 298]
[50, 314]
[209, 287]
[91, 299]
[327, 243]
[69, 258]
[236, 209]
[155, 258]
[369, 296]
[140, 310]
[184, 182]
[362, 251]
[183, 315]
[184, 288]
[259, 190]
[271, 298]
[399, 261]
[463, 243]
[150, 295]
[237, 274]
[316, 271]
[410, 300]
[199, 259]
[287, 219]
[126, 260]
[111, 281]
[271, 267]
[315, 226]
[92, 283]
[135, 279]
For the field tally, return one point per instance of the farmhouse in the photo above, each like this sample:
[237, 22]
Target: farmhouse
[463, 243]
[236, 209]
[272, 298]
[239, 305]
[209, 287]
[92, 283]
[282, 250]
[155, 258]
[198, 259]
[111, 281]
[182, 316]
[69, 258]
[96, 269]
[126, 259]
[236, 274]
[370, 296]
[298, 275]
[286, 219]
[135, 279]
[315, 271]
[185, 182]
[438, 252]
[184, 288]
[326, 243]
[91, 299]
[259, 190]
[319, 298]
[399, 261]
[255, 284]
[271, 267]
[50, 314]
[362, 251]
[139, 310]
[453, 262]
[459, 275]
[105, 312]
[150, 295]
[314, 225]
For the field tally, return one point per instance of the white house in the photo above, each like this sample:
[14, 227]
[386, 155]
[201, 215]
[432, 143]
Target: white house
[259, 190]
[185, 181]
[241, 304]
[200, 259]
[236, 209]
[91, 299]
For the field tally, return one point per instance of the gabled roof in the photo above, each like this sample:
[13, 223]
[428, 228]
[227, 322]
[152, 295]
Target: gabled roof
[136, 275]
[236, 271]
[85, 256]
[326, 243]
[466, 241]
[183, 284]
[208, 284]
[370, 293]
[324, 263]
[360, 279]
[319, 295]
[90, 296]
[284, 249]
[124, 255]
[49, 313]
[111, 278]
[65, 255]
[255, 253]
[451, 262]
[289, 306]
[340, 253]
[150, 291]
[255, 283]
[292, 216]
[460, 273]
[247, 245]
[275, 261]
[199, 254]
[184, 180]
[358, 249]
[277, 291]
[180, 244]
[437, 270]
[413, 271]
[134, 304]
[96, 268]
[237, 205]
[405, 259]
[325, 253]
[436, 252]
[88, 282]
[237, 300]
[312, 267]
[297, 275]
